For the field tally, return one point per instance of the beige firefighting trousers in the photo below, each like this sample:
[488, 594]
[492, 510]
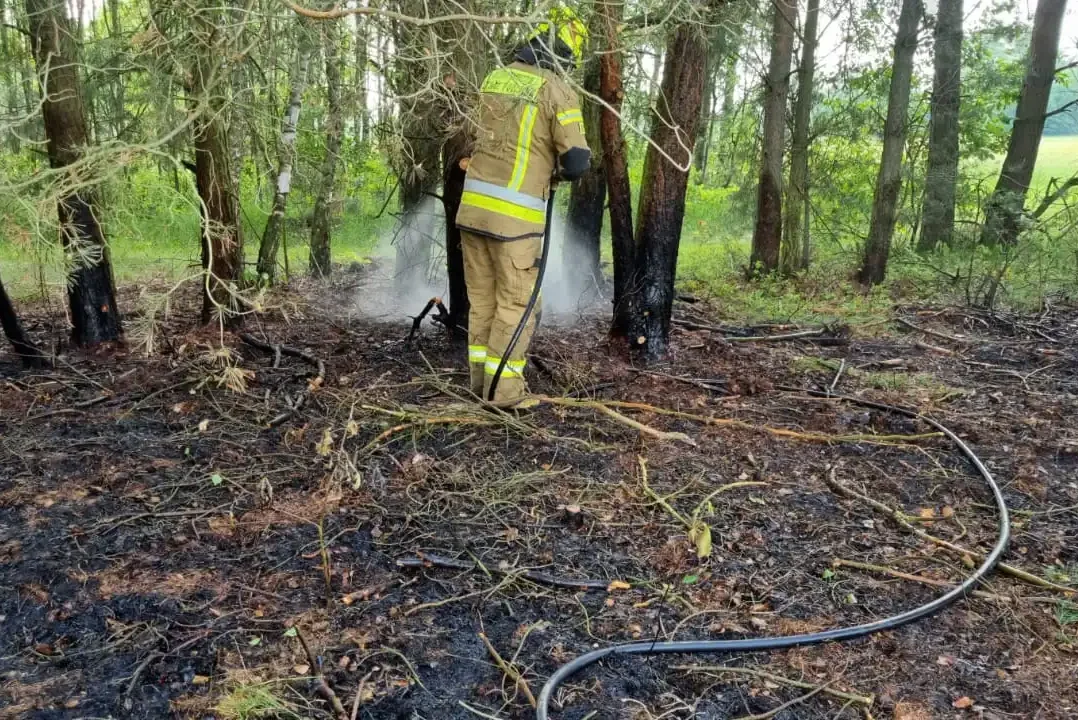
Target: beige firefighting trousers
[500, 275]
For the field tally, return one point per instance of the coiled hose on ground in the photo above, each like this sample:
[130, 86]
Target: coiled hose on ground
[838, 634]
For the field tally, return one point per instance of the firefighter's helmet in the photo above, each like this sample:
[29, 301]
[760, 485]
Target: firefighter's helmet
[564, 33]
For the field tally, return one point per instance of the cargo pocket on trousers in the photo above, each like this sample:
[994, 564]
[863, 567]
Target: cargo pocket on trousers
[524, 255]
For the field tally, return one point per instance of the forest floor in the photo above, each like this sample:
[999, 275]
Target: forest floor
[165, 553]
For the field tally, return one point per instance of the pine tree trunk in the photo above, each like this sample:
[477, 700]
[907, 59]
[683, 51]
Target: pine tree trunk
[221, 237]
[362, 116]
[941, 176]
[321, 222]
[662, 194]
[586, 200]
[91, 294]
[1003, 215]
[616, 167]
[8, 79]
[719, 40]
[889, 180]
[767, 237]
[796, 247]
[271, 236]
[28, 353]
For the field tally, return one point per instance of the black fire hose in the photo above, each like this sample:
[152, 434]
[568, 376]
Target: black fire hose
[838, 634]
[530, 307]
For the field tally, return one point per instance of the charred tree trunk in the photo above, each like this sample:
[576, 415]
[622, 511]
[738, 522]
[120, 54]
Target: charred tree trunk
[889, 180]
[28, 353]
[581, 249]
[616, 168]
[222, 241]
[321, 220]
[91, 294]
[941, 176]
[271, 236]
[796, 247]
[1005, 209]
[662, 195]
[767, 237]
[453, 175]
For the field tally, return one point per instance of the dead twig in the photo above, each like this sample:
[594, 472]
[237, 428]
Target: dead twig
[442, 317]
[730, 422]
[359, 695]
[921, 579]
[718, 386]
[312, 384]
[900, 517]
[934, 333]
[540, 578]
[838, 376]
[157, 655]
[507, 668]
[866, 700]
[786, 705]
[320, 683]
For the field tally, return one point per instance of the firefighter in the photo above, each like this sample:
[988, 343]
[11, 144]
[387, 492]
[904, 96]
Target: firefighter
[530, 133]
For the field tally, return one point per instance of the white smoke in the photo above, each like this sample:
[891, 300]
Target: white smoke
[411, 270]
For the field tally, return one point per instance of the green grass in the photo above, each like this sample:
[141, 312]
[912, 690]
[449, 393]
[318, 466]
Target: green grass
[154, 239]
[1057, 158]
[252, 702]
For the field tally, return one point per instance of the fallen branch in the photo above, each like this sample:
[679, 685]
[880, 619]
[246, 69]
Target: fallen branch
[540, 578]
[866, 700]
[312, 384]
[730, 422]
[935, 333]
[606, 409]
[510, 672]
[718, 386]
[900, 517]
[729, 335]
[786, 705]
[320, 683]
[921, 579]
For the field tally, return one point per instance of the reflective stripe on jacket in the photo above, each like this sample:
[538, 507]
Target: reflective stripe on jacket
[528, 116]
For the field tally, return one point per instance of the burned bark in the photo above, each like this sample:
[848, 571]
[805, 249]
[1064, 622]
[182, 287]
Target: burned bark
[453, 176]
[321, 220]
[28, 353]
[767, 237]
[896, 127]
[941, 176]
[616, 168]
[1005, 210]
[662, 194]
[271, 236]
[91, 293]
[796, 240]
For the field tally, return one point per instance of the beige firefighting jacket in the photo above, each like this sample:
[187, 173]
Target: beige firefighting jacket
[528, 117]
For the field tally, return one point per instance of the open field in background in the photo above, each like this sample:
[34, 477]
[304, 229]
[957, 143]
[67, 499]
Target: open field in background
[154, 239]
